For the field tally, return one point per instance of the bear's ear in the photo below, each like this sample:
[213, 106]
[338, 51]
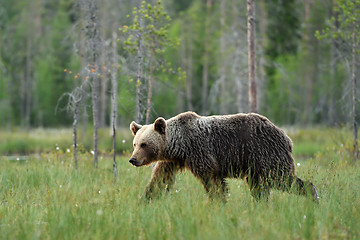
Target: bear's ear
[134, 127]
[160, 125]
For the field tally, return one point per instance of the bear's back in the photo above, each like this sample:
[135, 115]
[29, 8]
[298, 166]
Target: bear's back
[227, 132]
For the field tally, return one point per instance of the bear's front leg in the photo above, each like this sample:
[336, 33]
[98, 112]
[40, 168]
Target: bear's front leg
[163, 178]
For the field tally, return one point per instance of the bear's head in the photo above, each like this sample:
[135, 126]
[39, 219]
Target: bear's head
[149, 142]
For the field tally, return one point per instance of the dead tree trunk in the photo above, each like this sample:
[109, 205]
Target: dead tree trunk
[103, 89]
[150, 86]
[189, 67]
[251, 55]
[353, 76]
[333, 69]
[28, 84]
[223, 94]
[139, 82]
[94, 71]
[239, 84]
[261, 46]
[83, 57]
[75, 124]
[308, 79]
[104, 55]
[205, 77]
[114, 104]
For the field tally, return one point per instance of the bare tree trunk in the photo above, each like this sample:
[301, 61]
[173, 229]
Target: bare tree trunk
[94, 46]
[356, 151]
[183, 56]
[139, 82]
[95, 107]
[261, 46]
[151, 79]
[103, 93]
[239, 85]
[205, 77]
[333, 69]
[75, 123]
[223, 94]
[28, 86]
[83, 56]
[189, 69]
[84, 117]
[102, 68]
[114, 104]
[251, 55]
[308, 79]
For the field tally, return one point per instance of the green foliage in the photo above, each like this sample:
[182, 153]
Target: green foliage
[150, 26]
[342, 26]
[148, 38]
[49, 55]
[283, 27]
[281, 49]
[291, 59]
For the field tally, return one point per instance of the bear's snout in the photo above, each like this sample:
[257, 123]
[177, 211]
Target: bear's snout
[136, 162]
[132, 161]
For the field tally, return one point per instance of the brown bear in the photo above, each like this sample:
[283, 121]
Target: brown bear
[213, 148]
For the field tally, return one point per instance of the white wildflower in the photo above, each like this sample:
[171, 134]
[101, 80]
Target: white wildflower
[92, 152]
[57, 148]
[298, 164]
[99, 212]
[123, 141]
[60, 186]
[68, 150]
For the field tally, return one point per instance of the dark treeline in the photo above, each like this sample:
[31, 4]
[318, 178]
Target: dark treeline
[300, 79]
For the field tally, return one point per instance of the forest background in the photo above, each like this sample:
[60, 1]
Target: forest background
[300, 79]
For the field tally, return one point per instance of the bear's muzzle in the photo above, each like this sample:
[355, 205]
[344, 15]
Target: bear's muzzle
[134, 162]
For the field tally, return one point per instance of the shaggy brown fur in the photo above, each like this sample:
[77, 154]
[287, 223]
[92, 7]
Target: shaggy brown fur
[213, 148]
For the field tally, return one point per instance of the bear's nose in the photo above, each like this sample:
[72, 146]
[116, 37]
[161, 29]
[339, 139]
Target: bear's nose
[132, 161]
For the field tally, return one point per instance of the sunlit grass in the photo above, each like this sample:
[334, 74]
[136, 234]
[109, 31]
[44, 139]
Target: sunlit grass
[44, 197]
[47, 198]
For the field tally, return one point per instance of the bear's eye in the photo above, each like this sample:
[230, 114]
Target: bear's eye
[143, 145]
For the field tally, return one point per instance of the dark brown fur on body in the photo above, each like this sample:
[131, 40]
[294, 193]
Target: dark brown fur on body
[213, 148]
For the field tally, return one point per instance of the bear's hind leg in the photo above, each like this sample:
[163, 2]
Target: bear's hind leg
[163, 178]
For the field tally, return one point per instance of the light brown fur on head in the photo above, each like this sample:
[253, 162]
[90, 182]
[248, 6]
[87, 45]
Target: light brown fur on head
[149, 142]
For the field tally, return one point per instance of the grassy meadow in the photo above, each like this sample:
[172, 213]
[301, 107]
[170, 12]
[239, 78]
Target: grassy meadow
[44, 197]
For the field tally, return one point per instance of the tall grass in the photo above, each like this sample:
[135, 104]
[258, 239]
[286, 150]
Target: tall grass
[49, 199]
